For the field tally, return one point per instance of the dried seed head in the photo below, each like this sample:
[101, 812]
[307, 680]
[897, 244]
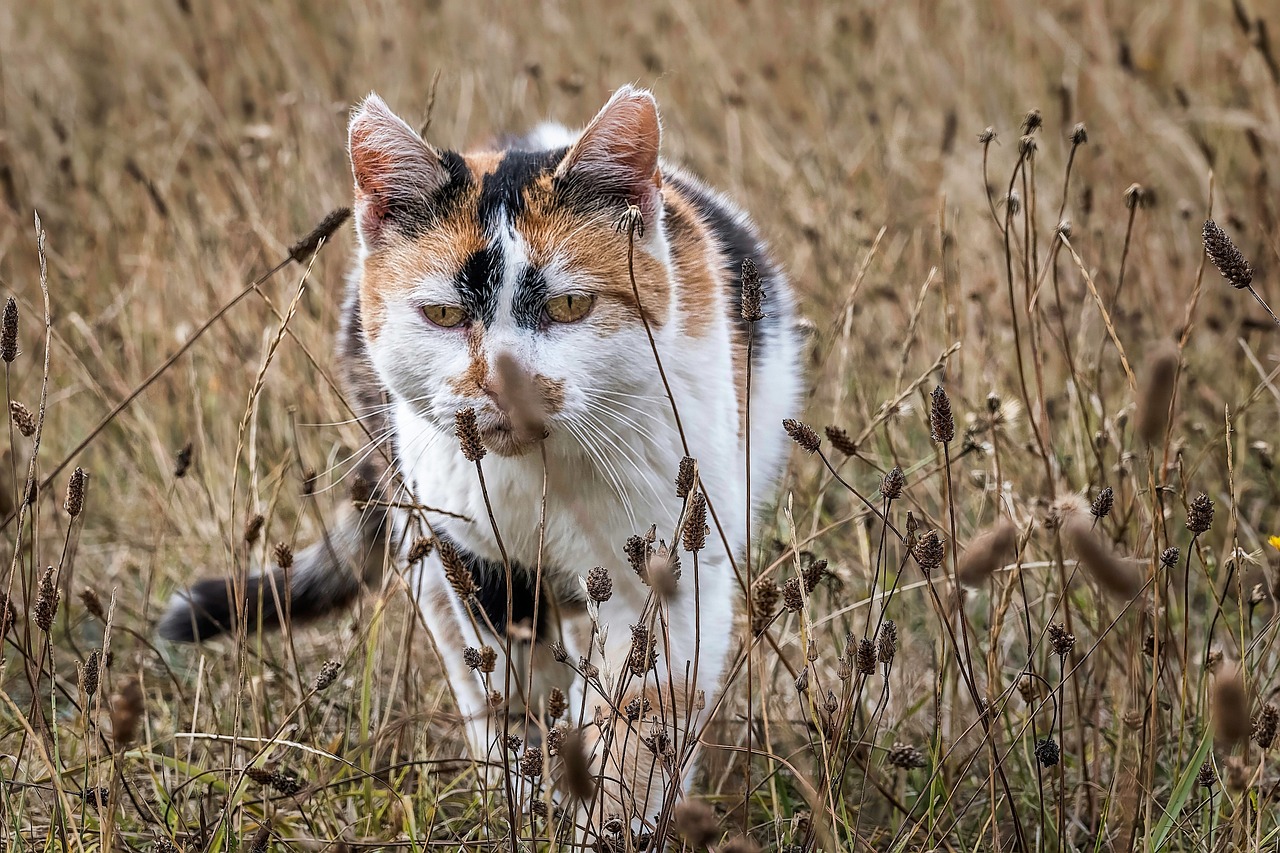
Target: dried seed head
[361, 491]
[488, 659]
[90, 673]
[1207, 777]
[1229, 260]
[468, 433]
[697, 823]
[46, 609]
[1027, 146]
[9, 331]
[1156, 393]
[752, 292]
[557, 704]
[644, 651]
[558, 652]
[813, 574]
[261, 840]
[1169, 557]
[271, 777]
[929, 552]
[1032, 121]
[328, 674]
[284, 555]
[637, 551]
[987, 136]
[127, 708]
[1015, 202]
[325, 229]
[22, 418]
[456, 570]
[866, 657]
[1265, 725]
[1102, 504]
[841, 440]
[182, 461]
[792, 595]
[1229, 707]
[905, 757]
[802, 681]
[531, 763]
[637, 708]
[887, 643]
[420, 549]
[663, 570]
[93, 604]
[577, 772]
[74, 504]
[1135, 196]
[1060, 640]
[685, 477]
[599, 584]
[1079, 136]
[764, 604]
[96, 797]
[253, 528]
[1200, 514]
[988, 551]
[892, 484]
[844, 669]
[803, 435]
[942, 425]
[1047, 752]
[695, 525]
[1112, 573]
[471, 657]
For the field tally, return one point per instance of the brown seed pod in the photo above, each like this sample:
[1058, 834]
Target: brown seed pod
[1229, 705]
[1114, 574]
[988, 551]
[1155, 393]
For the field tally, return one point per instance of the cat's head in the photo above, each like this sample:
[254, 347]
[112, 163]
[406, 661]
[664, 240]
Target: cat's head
[499, 281]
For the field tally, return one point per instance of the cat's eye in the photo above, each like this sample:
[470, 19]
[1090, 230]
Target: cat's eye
[569, 308]
[444, 316]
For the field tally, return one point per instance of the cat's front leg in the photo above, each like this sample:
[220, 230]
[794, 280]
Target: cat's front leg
[655, 666]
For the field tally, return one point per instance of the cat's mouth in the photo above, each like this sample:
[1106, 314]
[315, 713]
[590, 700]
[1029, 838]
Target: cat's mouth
[506, 436]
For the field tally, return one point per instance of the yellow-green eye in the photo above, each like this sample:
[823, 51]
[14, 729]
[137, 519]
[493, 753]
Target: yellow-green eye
[569, 308]
[444, 316]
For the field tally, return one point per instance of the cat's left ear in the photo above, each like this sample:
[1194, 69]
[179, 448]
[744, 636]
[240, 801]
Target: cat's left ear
[617, 154]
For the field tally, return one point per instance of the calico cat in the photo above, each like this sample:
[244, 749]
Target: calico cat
[494, 291]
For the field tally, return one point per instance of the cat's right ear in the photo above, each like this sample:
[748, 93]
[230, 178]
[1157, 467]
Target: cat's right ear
[394, 169]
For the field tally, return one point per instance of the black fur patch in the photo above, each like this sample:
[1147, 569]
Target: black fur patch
[529, 305]
[479, 281]
[737, 243]
[491, 591]
[503, 189]
[413, 217]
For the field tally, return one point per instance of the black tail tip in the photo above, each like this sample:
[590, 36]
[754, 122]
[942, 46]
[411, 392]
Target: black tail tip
[200, 613]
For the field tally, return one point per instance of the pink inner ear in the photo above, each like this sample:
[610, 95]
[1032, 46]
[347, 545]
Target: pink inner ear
[390, 163]
[619, 150]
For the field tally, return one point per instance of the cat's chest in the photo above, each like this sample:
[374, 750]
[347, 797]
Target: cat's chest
[569, 515]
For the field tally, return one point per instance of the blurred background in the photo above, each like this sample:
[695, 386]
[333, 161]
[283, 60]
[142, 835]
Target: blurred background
[174, 150]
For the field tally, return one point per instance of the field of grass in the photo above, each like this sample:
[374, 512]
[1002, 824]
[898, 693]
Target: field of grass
[1048, 273]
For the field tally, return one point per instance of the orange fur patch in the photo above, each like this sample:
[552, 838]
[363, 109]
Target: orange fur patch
[403, 262]
[598, 250]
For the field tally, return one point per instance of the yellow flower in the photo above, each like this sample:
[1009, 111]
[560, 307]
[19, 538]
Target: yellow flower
[1275, 542]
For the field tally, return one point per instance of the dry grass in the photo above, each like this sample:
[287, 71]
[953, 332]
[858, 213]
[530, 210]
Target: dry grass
[175, 150]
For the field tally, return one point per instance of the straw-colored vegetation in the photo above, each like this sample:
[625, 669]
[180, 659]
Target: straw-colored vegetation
[1104, 484]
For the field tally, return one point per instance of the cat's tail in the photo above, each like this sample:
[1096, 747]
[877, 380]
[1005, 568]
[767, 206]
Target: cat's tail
[324, 576]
